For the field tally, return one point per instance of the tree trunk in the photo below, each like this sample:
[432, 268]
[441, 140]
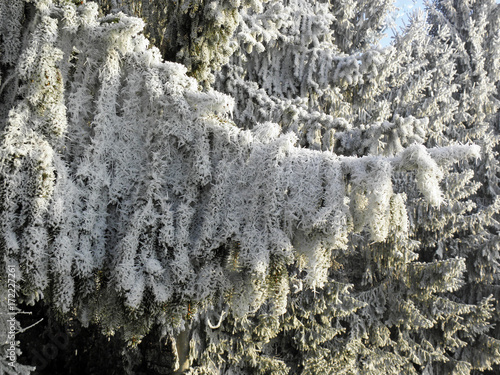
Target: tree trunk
[182, 345]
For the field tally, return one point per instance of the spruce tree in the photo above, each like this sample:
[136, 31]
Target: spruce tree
[407, 98]
[140, 200]
[473, 30]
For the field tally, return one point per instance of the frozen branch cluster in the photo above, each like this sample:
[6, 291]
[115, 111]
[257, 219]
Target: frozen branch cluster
[132, 198]
[132, 170]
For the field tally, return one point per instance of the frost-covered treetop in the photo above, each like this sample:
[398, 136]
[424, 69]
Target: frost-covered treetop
[127, 192]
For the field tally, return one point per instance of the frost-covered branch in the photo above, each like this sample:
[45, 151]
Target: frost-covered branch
[122, 182]
[143, 162]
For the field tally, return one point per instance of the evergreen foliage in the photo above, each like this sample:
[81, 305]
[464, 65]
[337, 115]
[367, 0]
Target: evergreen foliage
[318, 214]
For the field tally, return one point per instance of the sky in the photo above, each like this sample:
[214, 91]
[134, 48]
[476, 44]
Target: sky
[400, 16]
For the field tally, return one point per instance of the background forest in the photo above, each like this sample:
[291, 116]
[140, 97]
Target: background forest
[249, 187]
